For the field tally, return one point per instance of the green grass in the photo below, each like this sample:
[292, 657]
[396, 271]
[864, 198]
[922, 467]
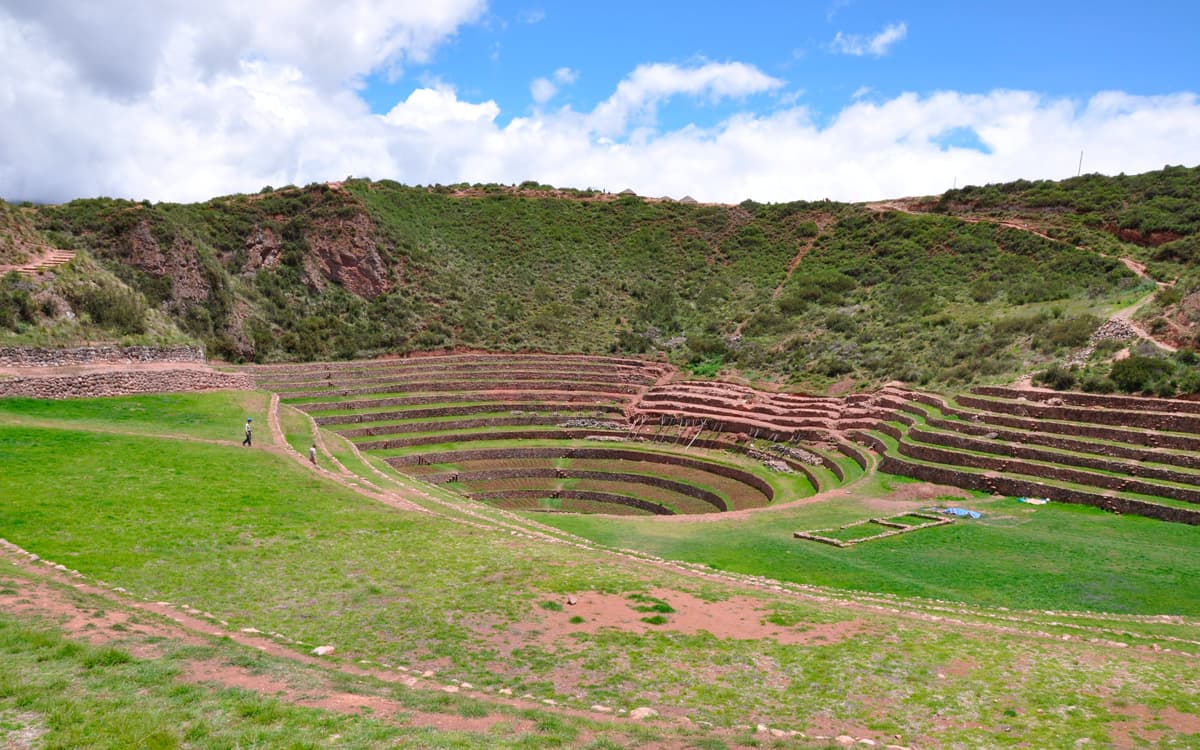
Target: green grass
[1057, 557]
[260, 542]
[212, 416]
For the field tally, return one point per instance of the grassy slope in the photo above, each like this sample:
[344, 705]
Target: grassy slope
[260, 542]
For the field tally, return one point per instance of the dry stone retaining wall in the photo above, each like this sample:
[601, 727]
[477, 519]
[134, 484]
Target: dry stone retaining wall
[1102, 401]
[461, 424]
[962, 442]
[27, 356]
[477, 387]
[463, 410]
[998, 485]
[1114, 417]
[936, 455]
[1079, 429]
[615, 454]
[599, 497]
[530, 397]
[125, 383]
[681, 488]
[1135, 453]
[469, 437]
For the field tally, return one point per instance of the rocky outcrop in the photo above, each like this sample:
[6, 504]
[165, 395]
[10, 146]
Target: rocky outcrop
[178, 262]
[344, 250]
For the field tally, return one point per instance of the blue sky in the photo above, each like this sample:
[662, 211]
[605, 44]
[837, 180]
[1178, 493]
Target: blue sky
[1055, 48]
[850, 99]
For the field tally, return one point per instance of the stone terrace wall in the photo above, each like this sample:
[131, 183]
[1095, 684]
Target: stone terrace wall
[599, 497]
[125, 383]
[1089, 461]
[1103, 401]
[465, 410]
[29, 356]
[934, 455]
[999, 485]
[615, 454]
[1075, 429]
[1118, 418]
[681, 488]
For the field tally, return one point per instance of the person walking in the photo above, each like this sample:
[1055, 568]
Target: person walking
[247, 441]
[312, 455]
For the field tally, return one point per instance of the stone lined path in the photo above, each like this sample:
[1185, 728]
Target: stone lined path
[52, 258]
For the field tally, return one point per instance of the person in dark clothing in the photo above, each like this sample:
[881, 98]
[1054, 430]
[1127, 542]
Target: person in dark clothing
[247, 440]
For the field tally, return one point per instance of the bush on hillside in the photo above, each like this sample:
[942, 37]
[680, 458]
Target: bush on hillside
[1136, 374]
[1057, 377]
[16, 303]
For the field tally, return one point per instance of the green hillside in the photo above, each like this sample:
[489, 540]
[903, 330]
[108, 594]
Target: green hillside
[976, 285]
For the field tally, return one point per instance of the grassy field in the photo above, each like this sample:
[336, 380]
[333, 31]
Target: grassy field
[257, 540]
[1049, 557]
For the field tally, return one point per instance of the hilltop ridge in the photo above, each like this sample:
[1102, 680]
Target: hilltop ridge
[977, 285]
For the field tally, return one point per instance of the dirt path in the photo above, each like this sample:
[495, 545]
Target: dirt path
[823, 223]
[51, 258]
[1139, 269]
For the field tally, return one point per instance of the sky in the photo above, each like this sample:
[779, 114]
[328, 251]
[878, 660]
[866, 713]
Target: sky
[855, 100]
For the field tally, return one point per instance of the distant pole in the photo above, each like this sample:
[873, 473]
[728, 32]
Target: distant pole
[1080, 170]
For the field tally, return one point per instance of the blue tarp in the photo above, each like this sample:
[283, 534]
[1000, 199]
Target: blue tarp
[962, 512]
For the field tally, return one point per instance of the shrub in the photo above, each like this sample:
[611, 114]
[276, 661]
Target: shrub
[1137, 373]
[1057, 377]
[16, 303]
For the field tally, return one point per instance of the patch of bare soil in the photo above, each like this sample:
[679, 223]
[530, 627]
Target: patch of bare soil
[101, 626]
[738, 618]
[327, 699]
[1145, 725]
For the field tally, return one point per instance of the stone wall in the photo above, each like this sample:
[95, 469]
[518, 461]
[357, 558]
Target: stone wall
[426, 378]
[1102, 401]
[681, 488]
[470, 437]
[1085, 460]
[1077, 429]
[1134, 453]
[462, 410]
[1148, 420]
[30, 356]
[617, 390]
[613, 454]
[599, 497]
[509, 400]
[458, 424]
[125, 382]
[1000, 464]
[1024, 488]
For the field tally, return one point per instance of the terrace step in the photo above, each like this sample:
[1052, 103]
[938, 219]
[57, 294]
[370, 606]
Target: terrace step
[681, 488]
[598, 410]
[1018, 485]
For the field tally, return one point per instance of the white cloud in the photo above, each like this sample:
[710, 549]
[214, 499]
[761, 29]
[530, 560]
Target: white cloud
[532, 16]
[876, 46]
[543, 89]
[214, 118]
[121, 47]
[638, 95]
[427, 109]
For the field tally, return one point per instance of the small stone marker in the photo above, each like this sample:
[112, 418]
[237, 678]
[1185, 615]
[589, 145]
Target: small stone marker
[323, 650]
[642, 713]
